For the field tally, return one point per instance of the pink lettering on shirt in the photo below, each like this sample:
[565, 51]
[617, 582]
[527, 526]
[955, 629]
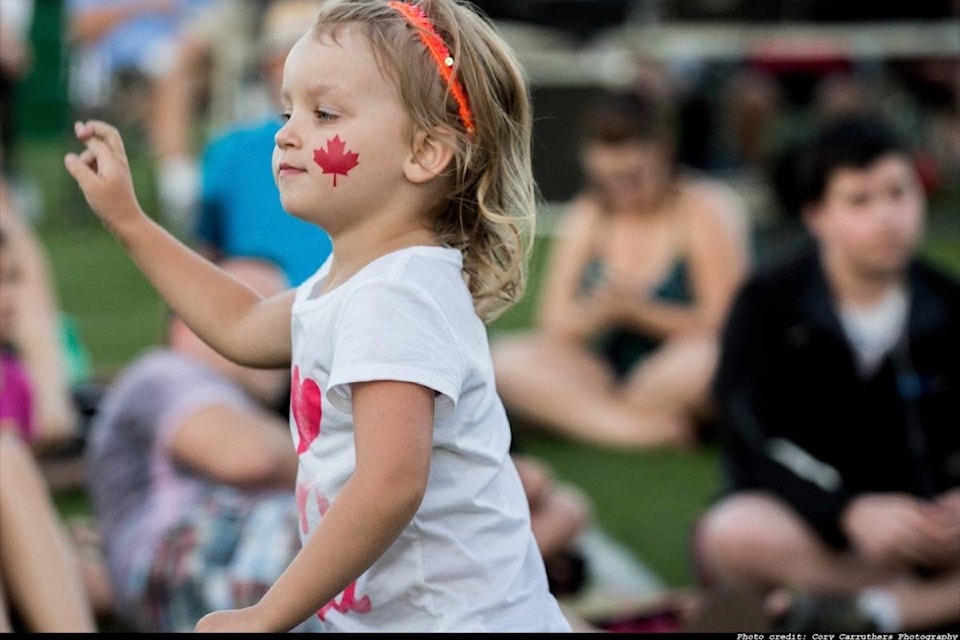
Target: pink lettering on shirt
[348, 602]
[303, 491]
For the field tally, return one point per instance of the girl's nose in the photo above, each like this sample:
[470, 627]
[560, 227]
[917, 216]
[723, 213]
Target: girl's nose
[286, 136]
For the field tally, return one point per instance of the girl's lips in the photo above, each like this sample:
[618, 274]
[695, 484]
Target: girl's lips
[287, 170]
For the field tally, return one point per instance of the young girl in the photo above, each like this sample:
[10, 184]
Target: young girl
[407, 138]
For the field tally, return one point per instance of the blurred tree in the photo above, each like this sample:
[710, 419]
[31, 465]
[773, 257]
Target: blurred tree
[41, 109]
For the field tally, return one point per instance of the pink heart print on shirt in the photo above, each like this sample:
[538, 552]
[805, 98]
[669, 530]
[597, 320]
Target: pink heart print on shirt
[305, 398]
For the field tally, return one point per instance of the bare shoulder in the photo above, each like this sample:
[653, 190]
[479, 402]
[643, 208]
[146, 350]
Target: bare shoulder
[710, 204]
[583, 205]
[579, 213]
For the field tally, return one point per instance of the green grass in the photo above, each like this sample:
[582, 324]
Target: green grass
[116, 311]
[648, 501]
[116, 308]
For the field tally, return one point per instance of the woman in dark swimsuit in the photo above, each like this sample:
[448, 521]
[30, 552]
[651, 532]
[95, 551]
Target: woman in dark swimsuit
[644, 263]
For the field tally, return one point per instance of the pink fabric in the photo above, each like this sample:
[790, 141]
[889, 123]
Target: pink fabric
[16, 395]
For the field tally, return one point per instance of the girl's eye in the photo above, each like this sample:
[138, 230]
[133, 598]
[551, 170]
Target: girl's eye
[324, 116]
[284, 116]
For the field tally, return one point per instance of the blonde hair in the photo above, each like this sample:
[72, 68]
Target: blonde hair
[489, 210]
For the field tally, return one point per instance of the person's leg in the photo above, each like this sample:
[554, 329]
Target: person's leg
[755, 539]
[564, 388]
[674, 380]
[928, 603]
[37, 564]
[558, 512]
[5, 625]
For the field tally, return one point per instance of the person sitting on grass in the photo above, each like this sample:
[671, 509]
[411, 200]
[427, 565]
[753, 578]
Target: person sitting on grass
[839, 398]
[639, 276]
[192, 497]
[35, 333]
[40, 585]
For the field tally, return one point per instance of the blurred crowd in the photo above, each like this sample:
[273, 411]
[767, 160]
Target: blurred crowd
[822, 364]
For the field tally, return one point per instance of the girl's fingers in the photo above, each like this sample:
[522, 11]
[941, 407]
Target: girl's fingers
[98, 154]
[81, 171]
[90, 165]
[97, 129]
[87, 158]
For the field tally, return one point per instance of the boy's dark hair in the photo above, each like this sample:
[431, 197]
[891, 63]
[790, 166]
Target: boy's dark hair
[844, 142]
[619, 116]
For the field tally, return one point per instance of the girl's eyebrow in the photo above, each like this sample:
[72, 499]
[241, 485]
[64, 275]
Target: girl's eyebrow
[316, 90]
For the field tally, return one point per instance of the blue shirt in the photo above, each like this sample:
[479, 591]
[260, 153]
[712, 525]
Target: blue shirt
[241, 214]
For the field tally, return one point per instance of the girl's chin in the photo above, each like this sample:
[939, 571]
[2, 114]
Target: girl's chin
[303, 213]
[294, 208]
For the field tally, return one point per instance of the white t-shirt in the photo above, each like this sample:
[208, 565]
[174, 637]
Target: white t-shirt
[468, 560]
[873, 331]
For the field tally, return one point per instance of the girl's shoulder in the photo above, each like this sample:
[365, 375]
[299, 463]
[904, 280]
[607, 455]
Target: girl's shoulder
[426, 268]
[413, 266]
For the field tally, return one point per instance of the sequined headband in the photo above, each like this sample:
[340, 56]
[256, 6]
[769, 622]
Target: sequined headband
[416, 18]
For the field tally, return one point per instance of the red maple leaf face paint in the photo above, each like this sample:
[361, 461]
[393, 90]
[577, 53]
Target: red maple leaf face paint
[335, 159]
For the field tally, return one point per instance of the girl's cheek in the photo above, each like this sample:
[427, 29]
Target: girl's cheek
[336, 159]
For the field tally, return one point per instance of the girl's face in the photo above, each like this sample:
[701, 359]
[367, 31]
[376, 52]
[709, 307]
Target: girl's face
[340, 154]
[9, 291]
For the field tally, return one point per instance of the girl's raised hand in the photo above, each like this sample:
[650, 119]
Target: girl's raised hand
[103, 172]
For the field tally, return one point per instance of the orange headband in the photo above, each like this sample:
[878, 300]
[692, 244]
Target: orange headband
[416, 18]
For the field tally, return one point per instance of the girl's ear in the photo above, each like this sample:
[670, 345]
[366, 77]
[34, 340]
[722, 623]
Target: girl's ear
[432, 153]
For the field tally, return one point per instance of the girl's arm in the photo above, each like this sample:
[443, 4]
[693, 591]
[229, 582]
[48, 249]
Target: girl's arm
[393, 429]
[229, 315]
